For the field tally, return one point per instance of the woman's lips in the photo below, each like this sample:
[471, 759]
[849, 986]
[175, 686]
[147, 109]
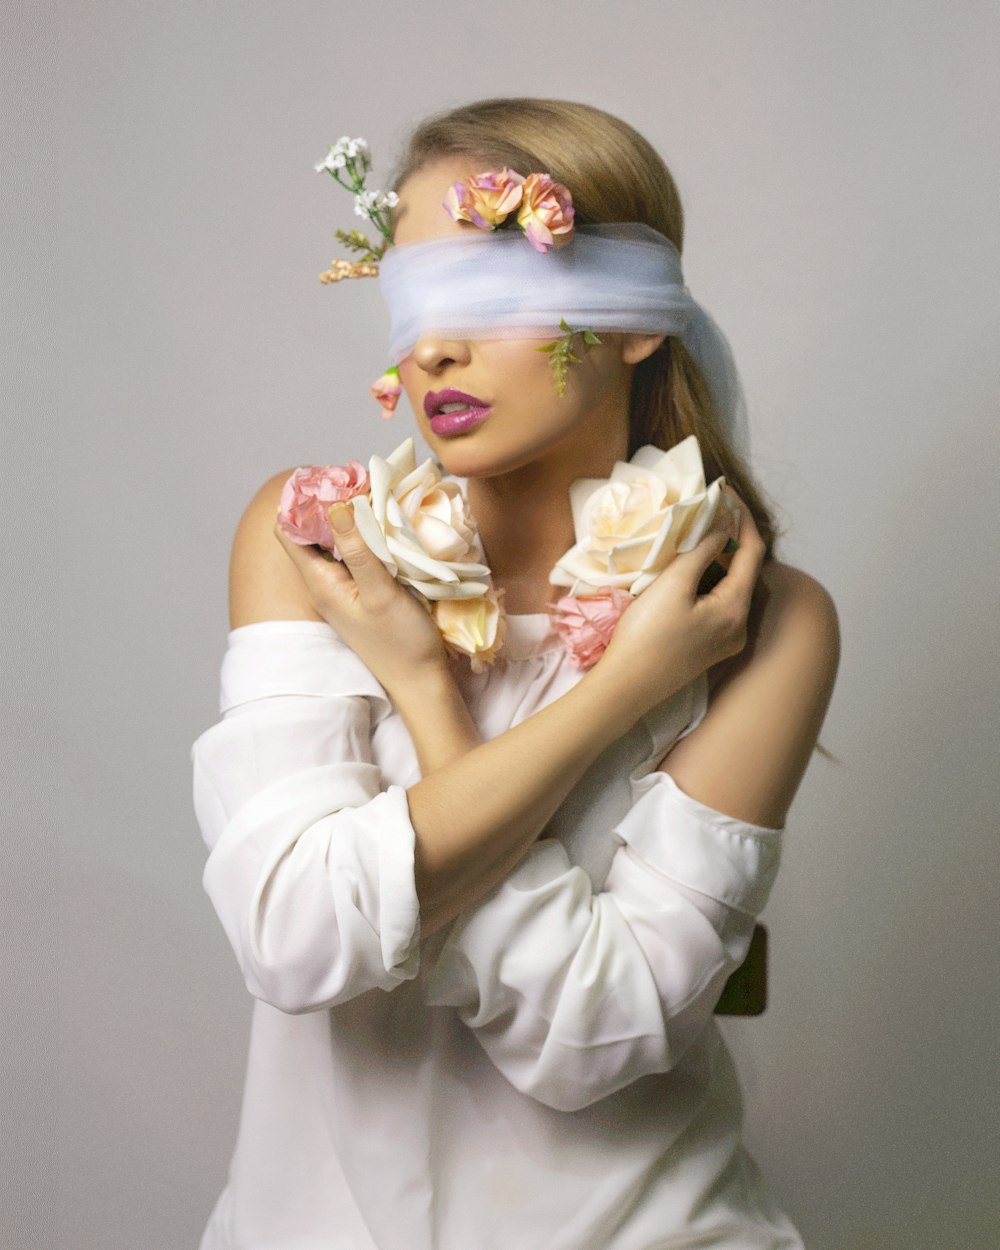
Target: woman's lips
[471, 413]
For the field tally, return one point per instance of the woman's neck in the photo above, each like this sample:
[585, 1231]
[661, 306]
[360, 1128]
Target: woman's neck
[526, 523]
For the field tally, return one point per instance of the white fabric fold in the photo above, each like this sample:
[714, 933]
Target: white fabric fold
[303, 657]
[311, 864]
[575, 994]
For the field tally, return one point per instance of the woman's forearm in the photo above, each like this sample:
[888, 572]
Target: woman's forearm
[438, 720]
[481, 805]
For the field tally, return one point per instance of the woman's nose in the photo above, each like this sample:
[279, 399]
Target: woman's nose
[433, 353]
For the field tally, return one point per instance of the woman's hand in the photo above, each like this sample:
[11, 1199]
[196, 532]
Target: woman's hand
[671, 634]
[378, 617]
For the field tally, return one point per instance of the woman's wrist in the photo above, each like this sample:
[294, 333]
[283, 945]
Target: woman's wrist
[436, 716]
[623, 697]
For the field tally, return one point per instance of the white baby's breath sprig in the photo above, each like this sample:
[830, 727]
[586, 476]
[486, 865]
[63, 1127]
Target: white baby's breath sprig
[348, 162]
[368, 204]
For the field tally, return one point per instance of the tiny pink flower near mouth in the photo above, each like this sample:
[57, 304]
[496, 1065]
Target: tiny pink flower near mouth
[546, 213]
[487, 199]
[586, 624]
[310, 492]
[387, 390]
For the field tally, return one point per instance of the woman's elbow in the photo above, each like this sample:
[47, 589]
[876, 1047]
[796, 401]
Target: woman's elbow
[569, 1079]
[299, 972]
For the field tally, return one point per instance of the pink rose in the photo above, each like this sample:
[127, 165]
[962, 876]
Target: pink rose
[308, 494]
[585, 625]
[387, 390]
[546, 213]
[486, 200]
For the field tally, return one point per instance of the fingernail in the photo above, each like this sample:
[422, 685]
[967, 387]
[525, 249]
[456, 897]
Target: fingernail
[341, 517]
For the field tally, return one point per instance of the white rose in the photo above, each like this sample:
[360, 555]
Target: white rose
[421, 528]
[631, 525]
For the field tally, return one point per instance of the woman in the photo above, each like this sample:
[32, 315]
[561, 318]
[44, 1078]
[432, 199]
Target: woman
[487, 916]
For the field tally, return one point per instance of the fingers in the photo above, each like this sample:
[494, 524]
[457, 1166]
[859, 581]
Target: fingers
[359, 575]
[691, 566]
[735, 590]
[370, 575]
[745, 563]
[304, 555]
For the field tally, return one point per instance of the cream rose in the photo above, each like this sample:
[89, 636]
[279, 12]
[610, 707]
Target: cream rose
[476, 627]
[631, 525]
[421, 528]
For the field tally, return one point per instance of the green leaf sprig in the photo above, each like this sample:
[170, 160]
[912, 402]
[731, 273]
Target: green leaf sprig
[561, 352]
[358, 241]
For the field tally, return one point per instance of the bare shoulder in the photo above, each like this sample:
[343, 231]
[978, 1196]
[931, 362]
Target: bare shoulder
[793, 644]
[766, 705]
[264, 585]
[795, 610]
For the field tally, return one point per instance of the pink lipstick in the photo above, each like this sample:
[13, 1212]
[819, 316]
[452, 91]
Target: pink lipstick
[454, 412]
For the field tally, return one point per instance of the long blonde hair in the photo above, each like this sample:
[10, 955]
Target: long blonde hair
[614, 174]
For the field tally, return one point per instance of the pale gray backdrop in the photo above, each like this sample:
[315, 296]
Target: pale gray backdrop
[839, 170]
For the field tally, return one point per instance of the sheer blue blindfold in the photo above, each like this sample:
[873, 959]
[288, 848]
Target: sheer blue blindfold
[616, 278]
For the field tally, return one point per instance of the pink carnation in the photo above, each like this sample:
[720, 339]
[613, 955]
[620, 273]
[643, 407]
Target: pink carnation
[586, 624]
[387, 390]
[486, 200]
[308, 494]
[546, 213]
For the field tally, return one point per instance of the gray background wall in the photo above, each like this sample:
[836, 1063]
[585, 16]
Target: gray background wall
[173, 348]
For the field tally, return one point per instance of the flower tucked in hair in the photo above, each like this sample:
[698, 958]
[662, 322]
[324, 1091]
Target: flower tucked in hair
[546, 213]
[487, 199]
[544, 208]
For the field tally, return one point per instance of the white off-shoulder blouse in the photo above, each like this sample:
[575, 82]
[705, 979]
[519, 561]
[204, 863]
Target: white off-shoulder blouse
[545, 1072]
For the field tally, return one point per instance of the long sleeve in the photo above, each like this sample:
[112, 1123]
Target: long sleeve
[575, 993]
[311, 857]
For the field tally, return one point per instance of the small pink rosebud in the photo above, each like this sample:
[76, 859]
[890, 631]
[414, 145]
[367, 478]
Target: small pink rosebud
[487, 199]
[308, 494]
[546, 213]
[586, 624]
[387, 390]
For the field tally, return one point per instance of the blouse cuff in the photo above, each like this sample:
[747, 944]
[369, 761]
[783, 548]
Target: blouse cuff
[270, 658]
[727, 859]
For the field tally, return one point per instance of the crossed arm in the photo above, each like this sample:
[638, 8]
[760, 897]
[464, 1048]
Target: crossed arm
[746, 759]
[677, 910]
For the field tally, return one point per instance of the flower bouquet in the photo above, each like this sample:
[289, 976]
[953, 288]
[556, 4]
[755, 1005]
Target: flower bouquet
[628, 529]
[420, 527]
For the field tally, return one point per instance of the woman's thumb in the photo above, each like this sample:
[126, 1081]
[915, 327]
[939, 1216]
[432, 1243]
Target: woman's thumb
[351, 547]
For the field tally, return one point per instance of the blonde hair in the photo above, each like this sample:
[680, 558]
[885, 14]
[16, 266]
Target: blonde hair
[614, 174]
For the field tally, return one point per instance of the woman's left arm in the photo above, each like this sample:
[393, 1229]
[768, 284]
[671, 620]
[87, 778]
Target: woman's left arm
[767, 705]
[575, 993]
